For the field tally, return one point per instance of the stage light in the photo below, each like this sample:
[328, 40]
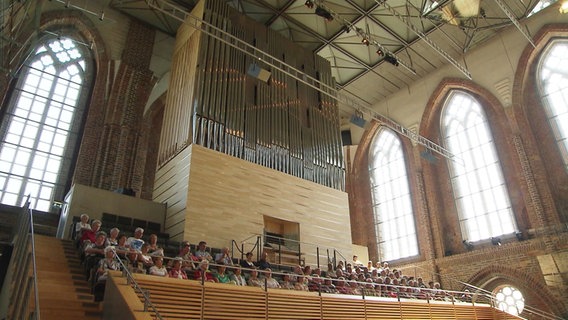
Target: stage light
[365, 41]
[392, 60]
[309, 4]
[324, 13]
[380, 52]
[468, 245]
[496, 241]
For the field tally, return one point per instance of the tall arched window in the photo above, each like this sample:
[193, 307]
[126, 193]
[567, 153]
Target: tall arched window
[553, 76]
[392, 206]
[479, 188]
[40, 129]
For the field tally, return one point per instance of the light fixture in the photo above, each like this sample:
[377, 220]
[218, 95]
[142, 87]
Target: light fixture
[495, 241]
[564, 7]
[324, 13]
[392, 60]
[365, 41]
[380, 52]
[309, 4]
[468, 245]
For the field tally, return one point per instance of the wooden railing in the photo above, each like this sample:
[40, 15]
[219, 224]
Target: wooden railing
[190, 299]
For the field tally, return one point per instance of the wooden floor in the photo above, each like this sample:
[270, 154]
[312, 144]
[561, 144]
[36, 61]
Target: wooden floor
[64, 292]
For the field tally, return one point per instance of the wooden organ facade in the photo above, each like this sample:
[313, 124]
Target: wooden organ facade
[238, 146]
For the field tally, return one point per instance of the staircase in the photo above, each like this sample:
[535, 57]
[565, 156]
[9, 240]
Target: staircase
[64, 292]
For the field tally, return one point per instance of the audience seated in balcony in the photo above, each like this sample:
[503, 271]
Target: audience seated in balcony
[247, 262]
[224, 257]
[254, 280]
[237, 277]
[201, 252]
[176, 270]
[90, 235]
[285, 283]
[158, 269]
[263, 263]
[135, 242]
[81, 226]
[153, 248]
[144, 256]
[301, 284]
[186, 256]
[222, 276]
[112, 238]
[269, 280]
[203, 272]
[107, 263]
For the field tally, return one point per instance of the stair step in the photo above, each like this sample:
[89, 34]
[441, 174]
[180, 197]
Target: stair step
[63, 288]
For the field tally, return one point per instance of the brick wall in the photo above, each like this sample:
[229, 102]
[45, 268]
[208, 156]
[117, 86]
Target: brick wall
[537, 183]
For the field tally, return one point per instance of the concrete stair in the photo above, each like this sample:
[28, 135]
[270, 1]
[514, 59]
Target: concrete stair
[64, 292]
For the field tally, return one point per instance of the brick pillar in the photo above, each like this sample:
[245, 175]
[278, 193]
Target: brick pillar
[120, 137]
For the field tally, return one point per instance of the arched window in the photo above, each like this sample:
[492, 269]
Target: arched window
[553, 85]
[41, 126]
[480, 192]
[392, 206]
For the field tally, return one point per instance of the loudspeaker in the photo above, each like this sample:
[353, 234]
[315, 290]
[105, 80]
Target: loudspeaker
[261, 74]
[346, 138]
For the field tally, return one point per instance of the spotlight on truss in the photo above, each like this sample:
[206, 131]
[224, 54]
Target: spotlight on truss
[324, 13]
[392, 60]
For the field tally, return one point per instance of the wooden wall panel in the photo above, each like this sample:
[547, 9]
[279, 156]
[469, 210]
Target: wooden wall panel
[170, 187]
[228, 198]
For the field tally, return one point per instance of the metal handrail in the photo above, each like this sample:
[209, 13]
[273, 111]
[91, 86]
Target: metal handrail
[36, 291]
[129, 277]
[18, 284]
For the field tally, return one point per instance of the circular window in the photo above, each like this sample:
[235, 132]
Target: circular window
[510, 299]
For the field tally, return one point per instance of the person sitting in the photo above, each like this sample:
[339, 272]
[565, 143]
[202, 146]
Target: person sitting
[201, 252]
[224, 257]
[247, 262]
[369, 289]
[263, 263]
[187, 257]
[301, 284]
[221, 276]
[108, 263]
[176, 271]
[154, 249]
[81, 226]
[94, 252]
[90, 235]
[135, 242]
[121, 248]
[237, 277]
[341, 286]
[203, 272]
[112, 239]
[270, 281]
[133, 263]
[314, 283]
[254, 281]
[158, 269]
[356, 262]
[144, 257]
[286, 283]
[328, 287]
